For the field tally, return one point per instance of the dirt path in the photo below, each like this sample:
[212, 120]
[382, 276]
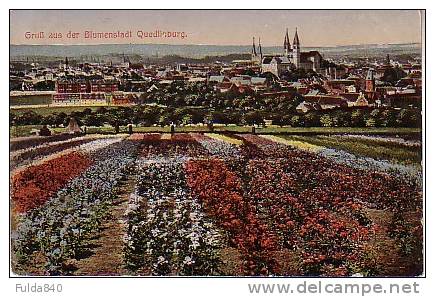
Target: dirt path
[386, 250]
[107, 258]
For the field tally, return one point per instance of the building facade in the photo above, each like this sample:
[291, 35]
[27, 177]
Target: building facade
[85, 92]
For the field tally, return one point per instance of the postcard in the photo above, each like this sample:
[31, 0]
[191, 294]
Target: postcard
[211, 143]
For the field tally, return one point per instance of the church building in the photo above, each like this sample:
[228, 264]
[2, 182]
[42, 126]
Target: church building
[291, 58]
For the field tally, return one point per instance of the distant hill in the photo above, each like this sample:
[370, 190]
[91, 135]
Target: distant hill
[194, 51]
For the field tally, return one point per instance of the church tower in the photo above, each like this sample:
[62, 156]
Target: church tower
[260, 51]
[287, 47]
[253, 51]
[256, 57]
[370, 84]
[296, 50]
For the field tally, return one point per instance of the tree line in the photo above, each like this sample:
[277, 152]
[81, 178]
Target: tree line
[141, 115]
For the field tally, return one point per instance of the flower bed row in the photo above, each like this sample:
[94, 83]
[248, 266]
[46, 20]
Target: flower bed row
[217, 147]
[379, 190]
[326, 227]
[385, 139]
[30, 155]
[221, 194]
[167, 231]
[61, 228]
[409, 173]
[315, 205]
[180, 145]
[34, 186]
[27, 142]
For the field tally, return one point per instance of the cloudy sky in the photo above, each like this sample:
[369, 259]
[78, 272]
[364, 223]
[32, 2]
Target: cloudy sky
[222, 27]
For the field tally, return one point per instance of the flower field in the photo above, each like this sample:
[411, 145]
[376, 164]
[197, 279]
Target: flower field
[210, 205]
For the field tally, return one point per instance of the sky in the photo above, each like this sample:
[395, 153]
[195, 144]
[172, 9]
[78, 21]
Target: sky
[221, 27]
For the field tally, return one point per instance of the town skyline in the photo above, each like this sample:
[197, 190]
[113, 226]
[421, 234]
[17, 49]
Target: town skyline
[357, 27]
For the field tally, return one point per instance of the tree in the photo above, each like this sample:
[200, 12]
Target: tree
[177, 116]
[197, 116]
[186, 119]
[101, 110]
[341, 118]
[357, 118]
[371, 122]
[277, 119]
[221, 118]
[326, 120]
[296, 121]
[114, 121]
[312, 119]
[254, 117]
[375, 114]
[409, 117]
[392, 75]
[49, 120]
[96, 120]
[286, 119]
[29, 118]
[388, 118]
[164, 119]
[87, 111]
[59, 118]
[44, 85]
[235, 117]
[149, 116]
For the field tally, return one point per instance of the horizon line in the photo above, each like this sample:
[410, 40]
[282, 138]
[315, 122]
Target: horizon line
[184, 44]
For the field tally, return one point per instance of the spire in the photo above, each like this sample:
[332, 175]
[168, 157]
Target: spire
[254, 51]
[387, 60]
[296, 39]
[66, 61]
[370, 75]
[286, 41]
[259, 47]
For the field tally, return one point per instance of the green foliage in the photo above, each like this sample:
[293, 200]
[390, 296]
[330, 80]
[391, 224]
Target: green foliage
[296, 121]
[311, 119]
[370, 122]
[326, 121]
[409, 118]
[244, 110]
[254, 117]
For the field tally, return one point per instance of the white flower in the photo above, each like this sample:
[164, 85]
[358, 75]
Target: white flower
[161, 260]
[188, 260]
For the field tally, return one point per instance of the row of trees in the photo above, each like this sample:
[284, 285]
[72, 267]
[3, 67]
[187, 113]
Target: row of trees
[407, 117]
[163, 116]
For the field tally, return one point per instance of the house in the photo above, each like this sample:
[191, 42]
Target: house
[217, 79]
[305, 107]
[225, 86]
[327, 101]
[361, 101]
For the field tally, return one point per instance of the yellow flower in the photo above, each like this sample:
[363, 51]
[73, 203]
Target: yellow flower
[224, 138]
[294, 143]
